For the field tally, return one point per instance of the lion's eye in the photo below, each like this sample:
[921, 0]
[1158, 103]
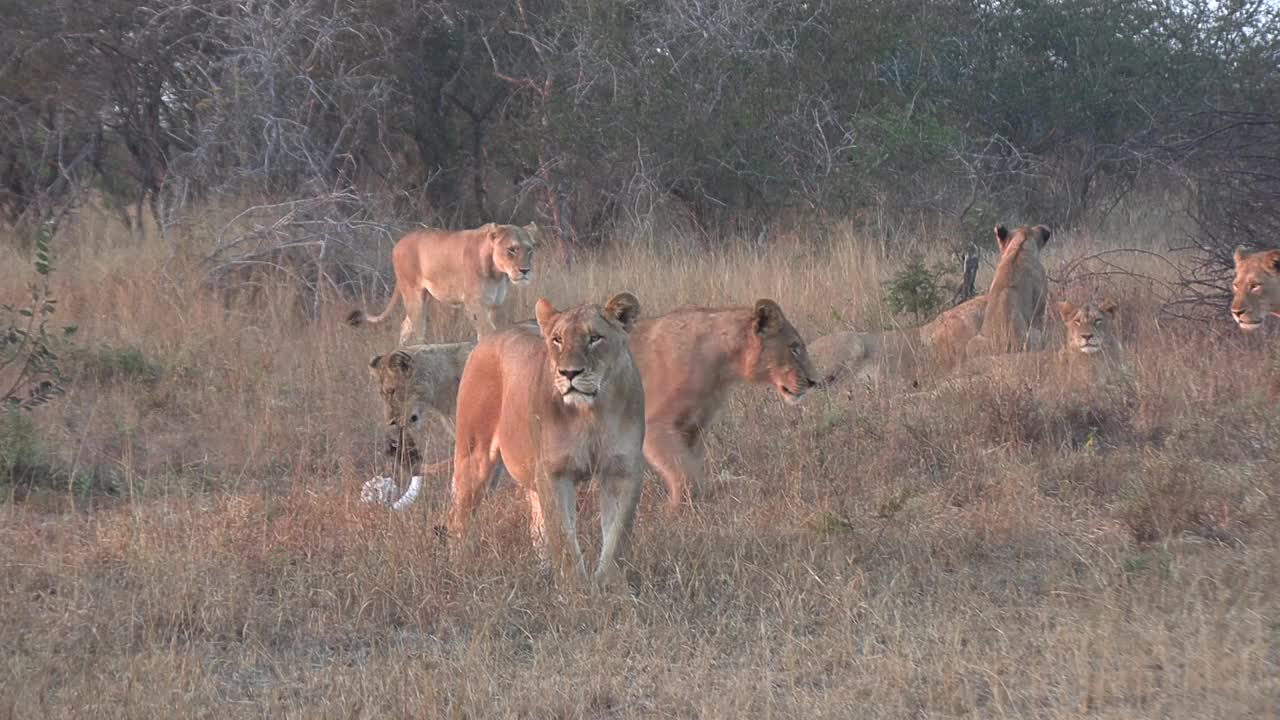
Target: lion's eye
[556, 341]
[595, 339]
[1098, 322]
[1255, 287]
[511, 252]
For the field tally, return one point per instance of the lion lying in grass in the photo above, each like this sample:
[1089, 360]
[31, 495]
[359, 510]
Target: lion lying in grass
[875, 357]
[1091, 354]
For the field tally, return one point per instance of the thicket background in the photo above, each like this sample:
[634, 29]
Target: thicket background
[333, 125]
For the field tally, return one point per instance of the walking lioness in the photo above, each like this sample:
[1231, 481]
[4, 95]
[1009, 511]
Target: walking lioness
[690, 360]
[557, 408]
[469, 268]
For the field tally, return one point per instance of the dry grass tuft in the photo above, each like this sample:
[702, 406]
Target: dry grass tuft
[190, 543]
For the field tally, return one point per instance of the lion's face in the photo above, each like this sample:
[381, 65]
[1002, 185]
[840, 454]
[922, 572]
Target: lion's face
[393, 373]
[585, 345]
[513, 250]
[1256, 288]
[777, 354]
[1091, 327]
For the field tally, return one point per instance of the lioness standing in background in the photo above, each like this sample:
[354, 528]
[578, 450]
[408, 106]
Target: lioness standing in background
[469, 268]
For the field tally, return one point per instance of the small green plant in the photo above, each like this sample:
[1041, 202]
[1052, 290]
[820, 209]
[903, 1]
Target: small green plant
[126, 364]
[30, 373]
[916, 289]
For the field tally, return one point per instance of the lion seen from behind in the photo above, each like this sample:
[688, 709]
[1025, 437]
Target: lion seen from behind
[1014, 319]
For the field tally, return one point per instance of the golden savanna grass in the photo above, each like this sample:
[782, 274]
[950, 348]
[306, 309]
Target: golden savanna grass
[192, 545]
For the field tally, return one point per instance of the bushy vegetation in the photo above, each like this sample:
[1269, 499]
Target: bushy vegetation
[361, 116]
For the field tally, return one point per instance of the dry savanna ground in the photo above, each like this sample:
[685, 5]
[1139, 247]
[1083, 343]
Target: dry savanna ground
[180, 534]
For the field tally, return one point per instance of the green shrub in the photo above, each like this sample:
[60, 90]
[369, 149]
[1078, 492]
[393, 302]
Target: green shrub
[917, 289]
[30, 372]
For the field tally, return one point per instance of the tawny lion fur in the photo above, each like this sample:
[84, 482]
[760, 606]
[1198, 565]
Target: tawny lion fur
[907, 354]
[557, 409]
[690, 360]
[474, 269]
[1016, 303]
[1256, 288]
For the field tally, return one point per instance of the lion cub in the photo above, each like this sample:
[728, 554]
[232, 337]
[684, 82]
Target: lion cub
[557, 408]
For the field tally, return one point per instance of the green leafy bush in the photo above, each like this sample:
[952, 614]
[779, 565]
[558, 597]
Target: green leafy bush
[917, 289]
[30, 373]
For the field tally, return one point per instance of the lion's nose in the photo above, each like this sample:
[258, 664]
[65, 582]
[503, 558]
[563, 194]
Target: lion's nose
[1086, 336]
[526, 271]
[570, 373]
[1237, 313]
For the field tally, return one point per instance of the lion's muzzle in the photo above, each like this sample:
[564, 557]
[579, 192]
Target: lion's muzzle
[576, 387]
[1244, 321]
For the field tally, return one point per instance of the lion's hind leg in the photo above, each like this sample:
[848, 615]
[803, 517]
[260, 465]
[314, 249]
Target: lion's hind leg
[676, 457]
[472, 475]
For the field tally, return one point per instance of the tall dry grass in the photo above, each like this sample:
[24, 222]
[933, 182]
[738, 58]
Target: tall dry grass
[194, 548]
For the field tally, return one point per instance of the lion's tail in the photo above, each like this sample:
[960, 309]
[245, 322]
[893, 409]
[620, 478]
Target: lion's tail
[359, 317]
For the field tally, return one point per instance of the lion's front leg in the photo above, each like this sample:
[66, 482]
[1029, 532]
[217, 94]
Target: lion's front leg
[619, 500]
[558, 497]
[483, 318]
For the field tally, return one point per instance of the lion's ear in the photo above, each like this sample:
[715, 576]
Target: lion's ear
[532, 229]
[375, 362]
[492, 231]
[1002, 236]
[625, 308]
[1273, 259]
[1066, 310]
[399, 360]
[1240, 255]
[768, 317]
[1108, 306]
[545, 314]
[1044, 231]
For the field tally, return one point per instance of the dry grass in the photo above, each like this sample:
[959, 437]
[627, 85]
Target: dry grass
[195, 547]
